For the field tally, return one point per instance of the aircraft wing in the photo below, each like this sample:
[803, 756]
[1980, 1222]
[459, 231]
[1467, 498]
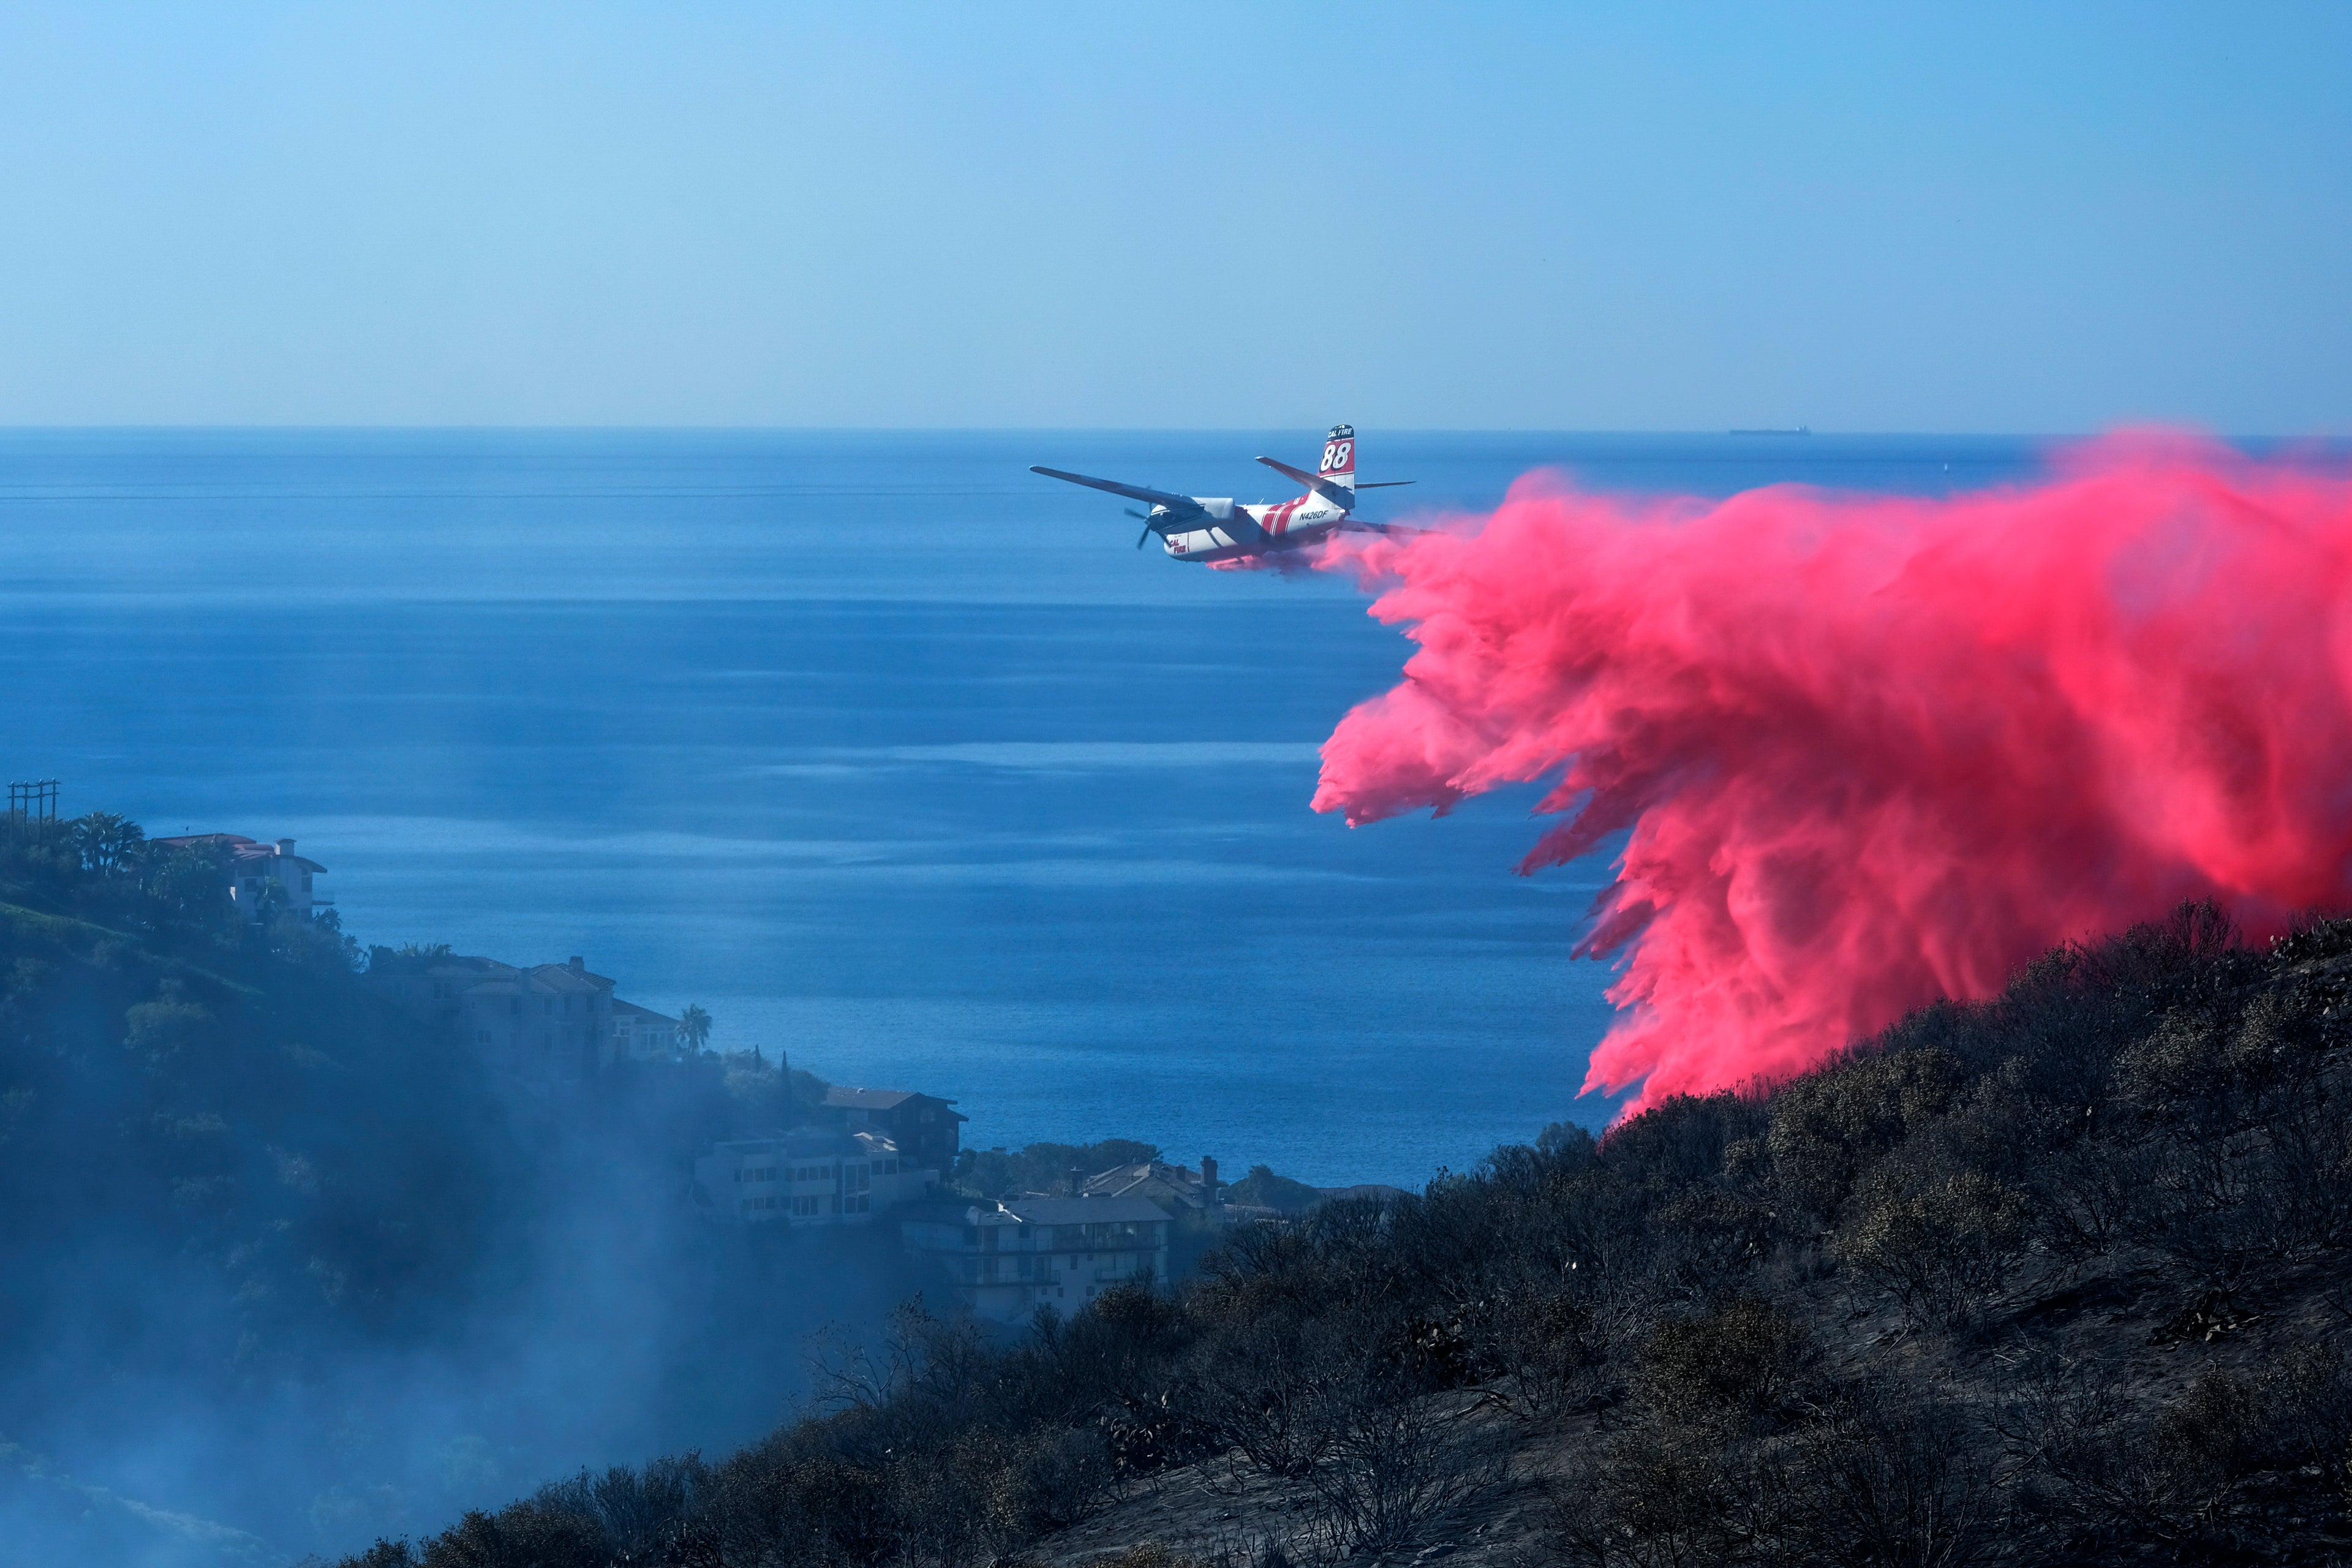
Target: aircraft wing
[1175, 503]
[1337, 495]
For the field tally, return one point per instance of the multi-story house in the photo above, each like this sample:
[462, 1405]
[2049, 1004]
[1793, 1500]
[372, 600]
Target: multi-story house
[926, 1128]
[549, 1023]
[642, 1035]
[1005, 1260]
[260, 876]
[1173, 1187]
[813, 1176]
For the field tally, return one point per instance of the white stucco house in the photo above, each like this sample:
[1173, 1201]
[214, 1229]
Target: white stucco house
[821, 1175]
[642, 1035]
[1005, 1260]
[259, 874]
[545, 1024]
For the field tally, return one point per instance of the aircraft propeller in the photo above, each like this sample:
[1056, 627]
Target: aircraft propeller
[1147, 525]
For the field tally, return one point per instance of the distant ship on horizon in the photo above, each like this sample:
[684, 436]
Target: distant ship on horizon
[1800, 430]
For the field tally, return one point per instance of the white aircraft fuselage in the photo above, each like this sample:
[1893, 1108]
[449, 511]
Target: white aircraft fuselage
[1212, 529]
[1283, 525]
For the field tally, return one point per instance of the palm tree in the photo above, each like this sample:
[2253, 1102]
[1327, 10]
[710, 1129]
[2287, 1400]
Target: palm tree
[694, 1027]
[108, 842]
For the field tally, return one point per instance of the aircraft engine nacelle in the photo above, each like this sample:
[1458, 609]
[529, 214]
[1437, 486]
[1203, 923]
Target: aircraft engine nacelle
[1220, 508]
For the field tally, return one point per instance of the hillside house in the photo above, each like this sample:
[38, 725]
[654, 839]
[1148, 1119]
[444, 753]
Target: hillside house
[927, 1128]
[817, 1175]
[642, 1035]
[1006, 1260]
[546, 1024]
[260, 875]
[1174, 1188]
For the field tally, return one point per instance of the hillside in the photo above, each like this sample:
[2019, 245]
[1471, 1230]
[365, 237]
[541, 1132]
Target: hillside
[219, 1105]
[287, 1269]
[2059, 1277]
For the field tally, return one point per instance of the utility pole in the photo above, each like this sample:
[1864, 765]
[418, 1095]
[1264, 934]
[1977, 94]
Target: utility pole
[31, 803]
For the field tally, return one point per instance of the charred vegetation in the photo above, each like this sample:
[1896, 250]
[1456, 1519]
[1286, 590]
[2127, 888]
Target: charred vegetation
[2061, 1277]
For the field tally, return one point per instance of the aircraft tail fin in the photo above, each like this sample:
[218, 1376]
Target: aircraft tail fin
[1339, 465]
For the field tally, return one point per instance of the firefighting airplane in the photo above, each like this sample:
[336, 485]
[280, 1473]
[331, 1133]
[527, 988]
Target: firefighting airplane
[1214, 529]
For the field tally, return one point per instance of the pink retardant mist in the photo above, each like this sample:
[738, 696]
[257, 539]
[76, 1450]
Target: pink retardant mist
[1873, 751]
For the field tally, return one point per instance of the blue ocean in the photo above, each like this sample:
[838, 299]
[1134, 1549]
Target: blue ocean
[897, 758]
[894, 756]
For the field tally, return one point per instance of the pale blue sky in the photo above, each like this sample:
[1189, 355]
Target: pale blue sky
[1868, 217]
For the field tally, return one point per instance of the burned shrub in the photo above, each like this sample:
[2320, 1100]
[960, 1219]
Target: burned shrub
[769, 1504]
[1390, 1459]
[1889, 1473]
[1682, 1139]
[1553, 1349]
[1707, 1240]
[634, 1510]
[1943, 1248]
[1256, 1388]
[520, 1535]
[1649, 1499]
[2312, 937]
[1010, 1490]
[2240, 1134]
[2234, 1465]
[1829, 1126]
[1728, 1370]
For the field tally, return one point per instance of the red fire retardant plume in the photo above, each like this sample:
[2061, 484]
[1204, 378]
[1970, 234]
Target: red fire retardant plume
[1875, 750]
